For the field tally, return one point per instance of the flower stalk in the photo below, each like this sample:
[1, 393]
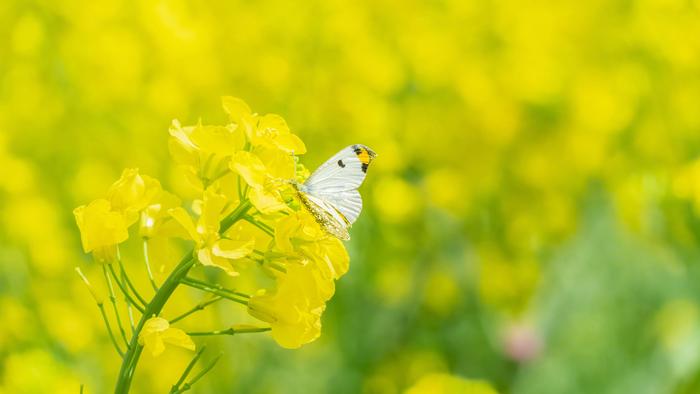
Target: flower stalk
[188, 369]
[187, 386]
[231, 295]
[147, 261]
[123, 289]
[197, 308]
[128, 281]
[155, 306]
[101, 307]
[230, 331]
[113, 301]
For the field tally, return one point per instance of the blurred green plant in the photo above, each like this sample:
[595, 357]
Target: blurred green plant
[502, 126]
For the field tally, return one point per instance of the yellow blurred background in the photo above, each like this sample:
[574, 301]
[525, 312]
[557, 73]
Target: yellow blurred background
[532, 219]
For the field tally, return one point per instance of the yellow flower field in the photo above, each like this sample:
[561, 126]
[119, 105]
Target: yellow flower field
[530, 223]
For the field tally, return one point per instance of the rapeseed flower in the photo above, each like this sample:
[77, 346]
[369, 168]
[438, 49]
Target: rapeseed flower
[300, 237]
[156, 219]
[101, 229]
[294, 308]
[265, 180]
[204, 151]
[156, 333]
[268, 130]
[211, 248]
[132, 193]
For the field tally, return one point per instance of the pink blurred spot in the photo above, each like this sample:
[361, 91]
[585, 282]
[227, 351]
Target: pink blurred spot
[522, 343]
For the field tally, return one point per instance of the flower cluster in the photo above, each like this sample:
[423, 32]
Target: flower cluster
[133, 198]
[247, 217]
[252, 160]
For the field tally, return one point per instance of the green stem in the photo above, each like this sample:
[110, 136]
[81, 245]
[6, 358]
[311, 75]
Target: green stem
[131, 285]
[197, 308]
[127, 301]
[262, 226]
[230, 331]
[217, 287]
[123, 289]
[113, 300]
[109, 329]
[201, 373]
[129, 311]
[147, 260]
[186, 372]
[234, 216]
[240, 298]
[279, 267]
[155, 306]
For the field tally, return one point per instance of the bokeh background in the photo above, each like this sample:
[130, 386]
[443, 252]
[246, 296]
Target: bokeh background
[532, 220]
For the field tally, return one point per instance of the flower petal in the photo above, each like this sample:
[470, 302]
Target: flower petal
[266, 202]
[231, 249]
[99, 225]
[235, 108]
[177, 337]
[182, 217]
[290, 143]
[212, 207]
[250, 167]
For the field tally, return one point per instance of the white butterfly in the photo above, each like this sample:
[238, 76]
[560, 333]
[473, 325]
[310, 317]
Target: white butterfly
[330, 193]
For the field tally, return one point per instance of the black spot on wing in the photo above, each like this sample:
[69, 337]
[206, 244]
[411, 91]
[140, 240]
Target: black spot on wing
[364, 167]
[356, 149]
[341, 164]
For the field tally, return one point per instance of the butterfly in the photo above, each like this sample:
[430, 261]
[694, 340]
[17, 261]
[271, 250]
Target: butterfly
[330, 193]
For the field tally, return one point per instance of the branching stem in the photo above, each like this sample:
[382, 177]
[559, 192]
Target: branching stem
[201, 373]
[155, 306]
[197, 308]
[123, 289]
[235, 296]
[230, 331]
[147, 261]
[113, 300]
[186, 372]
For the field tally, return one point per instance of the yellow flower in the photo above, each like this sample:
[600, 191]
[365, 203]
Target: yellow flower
[218, 140]
[297, 228]
[236, 108]
[440, 383]
[299, 234]
[329, 256]
[273, 131]
[100, 227]
[205, 151]
[157, 332]
[294, 309]
[250, 168]
[269, 130]
[156, 220]
[181, 147]
[211, 248]
[131, 193]
[267, 181]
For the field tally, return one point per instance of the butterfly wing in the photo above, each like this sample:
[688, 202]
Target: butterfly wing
[331, 193]
[348, 203]
[326, 215]
[345, 171]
